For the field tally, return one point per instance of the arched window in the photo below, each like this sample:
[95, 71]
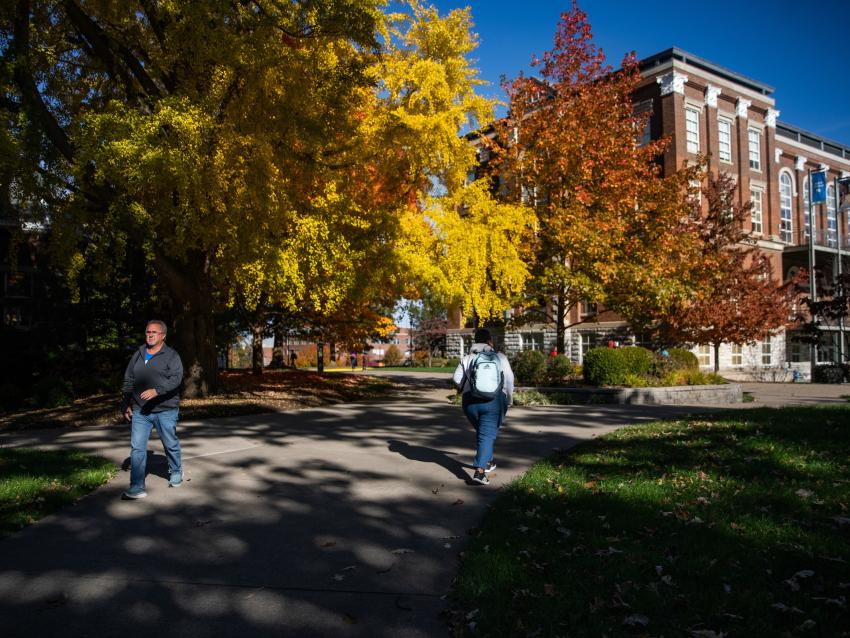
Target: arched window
[785, 198]
[806, 206]
[831, 217]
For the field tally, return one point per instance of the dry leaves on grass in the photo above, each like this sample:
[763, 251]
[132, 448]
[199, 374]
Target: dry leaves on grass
[240, 393]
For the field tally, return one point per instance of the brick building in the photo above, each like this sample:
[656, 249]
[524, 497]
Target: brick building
[707, 109]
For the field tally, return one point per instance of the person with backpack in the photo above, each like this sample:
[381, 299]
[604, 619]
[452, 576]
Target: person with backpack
[486, 380]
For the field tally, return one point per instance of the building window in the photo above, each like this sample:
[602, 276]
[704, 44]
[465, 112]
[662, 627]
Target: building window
[692, 130]
[643, 113]
[796, 352]
[831, 218]
[588, 340]
[724, 139]
[531, 341]
[767, 352]
[588, 308]
[755, 149]
[806, 207]
[785, 199]
[704, 355]
[756, 198]
[737, 354]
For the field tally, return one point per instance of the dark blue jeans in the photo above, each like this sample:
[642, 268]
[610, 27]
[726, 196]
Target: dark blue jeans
[486, 417]
[165, 423]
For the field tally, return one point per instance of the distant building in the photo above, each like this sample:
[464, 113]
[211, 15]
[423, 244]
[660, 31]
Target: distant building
[707, 109]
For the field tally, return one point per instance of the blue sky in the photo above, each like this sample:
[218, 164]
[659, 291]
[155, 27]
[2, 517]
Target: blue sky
[802, 51]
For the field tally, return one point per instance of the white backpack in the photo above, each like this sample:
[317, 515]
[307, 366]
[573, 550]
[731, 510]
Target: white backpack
[485, 375]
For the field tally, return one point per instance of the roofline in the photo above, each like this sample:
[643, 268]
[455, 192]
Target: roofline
[796, 133]
[674, 53]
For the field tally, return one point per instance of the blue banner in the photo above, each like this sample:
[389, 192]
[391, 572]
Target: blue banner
[819, 187]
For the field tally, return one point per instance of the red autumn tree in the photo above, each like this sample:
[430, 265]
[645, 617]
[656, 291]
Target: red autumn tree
[610, 229]
[739, 300]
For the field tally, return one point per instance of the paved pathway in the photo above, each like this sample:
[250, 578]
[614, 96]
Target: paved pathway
[339, 521]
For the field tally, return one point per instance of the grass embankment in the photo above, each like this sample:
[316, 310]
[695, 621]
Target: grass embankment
[35, 483]
[730, 525]
[240, 392]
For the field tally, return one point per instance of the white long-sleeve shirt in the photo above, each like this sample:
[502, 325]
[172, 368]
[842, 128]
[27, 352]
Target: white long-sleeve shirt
[463, 366]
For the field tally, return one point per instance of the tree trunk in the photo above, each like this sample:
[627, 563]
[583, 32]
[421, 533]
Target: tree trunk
[716, 357]
[332, 355]
[189, 285]
[561, 323]
[257, 348]
[278, 350]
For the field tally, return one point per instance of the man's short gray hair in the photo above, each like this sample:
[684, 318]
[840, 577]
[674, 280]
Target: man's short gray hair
[160, 323]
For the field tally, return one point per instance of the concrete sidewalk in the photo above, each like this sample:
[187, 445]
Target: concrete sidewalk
[340, 521]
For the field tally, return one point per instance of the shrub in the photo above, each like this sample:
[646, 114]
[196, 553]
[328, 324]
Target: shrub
[558, 369]
[420, 358]
[393, 356]
[828, 373]
[439, 362]
[633, 380]
[682, 359]
[529, 367]
[636, 359]
[453, 362]
[605, 366]
[51, 392]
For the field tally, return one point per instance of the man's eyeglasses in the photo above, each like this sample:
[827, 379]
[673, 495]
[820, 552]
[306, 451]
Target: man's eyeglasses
[152, 332]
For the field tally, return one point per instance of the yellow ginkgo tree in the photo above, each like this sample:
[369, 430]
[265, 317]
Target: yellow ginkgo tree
[273, 152]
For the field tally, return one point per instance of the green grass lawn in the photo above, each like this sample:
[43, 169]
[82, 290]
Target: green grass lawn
[736, 524]
[35, 483]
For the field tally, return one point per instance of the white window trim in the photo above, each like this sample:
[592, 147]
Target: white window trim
[696, 110]
[790, 175]
[731, 123]
[740, 354]
[761, 191]
[759, 132]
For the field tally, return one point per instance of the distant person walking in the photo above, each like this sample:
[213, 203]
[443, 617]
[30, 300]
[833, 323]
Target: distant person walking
[151, 398]
[486, 380]
[353, 361]
[292, 358]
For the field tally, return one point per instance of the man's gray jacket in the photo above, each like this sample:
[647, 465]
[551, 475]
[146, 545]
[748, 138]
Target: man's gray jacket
[163, 372]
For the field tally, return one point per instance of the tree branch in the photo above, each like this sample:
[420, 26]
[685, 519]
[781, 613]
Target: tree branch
[30, 95]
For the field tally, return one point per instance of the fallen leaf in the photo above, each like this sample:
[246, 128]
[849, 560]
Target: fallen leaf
[401, 550]
[458, 502]
[328, 544]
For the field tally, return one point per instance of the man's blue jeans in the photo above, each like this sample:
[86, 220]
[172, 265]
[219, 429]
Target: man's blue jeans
[486, 418]
[165, 423]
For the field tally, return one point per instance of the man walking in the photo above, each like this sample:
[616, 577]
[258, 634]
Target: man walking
[485, 411]
[151, 398]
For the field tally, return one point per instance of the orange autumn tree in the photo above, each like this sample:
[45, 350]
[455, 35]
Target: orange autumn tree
[739, 300]
[610, 229]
